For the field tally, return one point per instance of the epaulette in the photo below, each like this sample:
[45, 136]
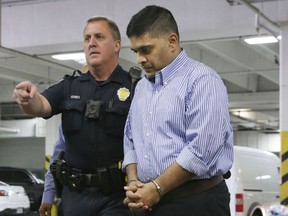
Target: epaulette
[75, 73]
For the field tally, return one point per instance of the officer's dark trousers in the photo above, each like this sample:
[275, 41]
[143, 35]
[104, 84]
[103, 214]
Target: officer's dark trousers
[60, 210]
[212, 202]
[91, 202]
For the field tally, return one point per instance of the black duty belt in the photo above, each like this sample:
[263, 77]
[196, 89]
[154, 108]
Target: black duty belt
[108, 179]
[94, 179]
[193, 187]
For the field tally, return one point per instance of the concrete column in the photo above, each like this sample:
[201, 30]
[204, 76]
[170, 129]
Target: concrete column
[283, 84]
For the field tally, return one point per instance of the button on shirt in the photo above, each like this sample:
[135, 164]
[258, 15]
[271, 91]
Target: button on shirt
[182, 115]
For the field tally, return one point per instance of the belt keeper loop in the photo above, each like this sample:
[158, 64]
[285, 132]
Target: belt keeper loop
[158, 188]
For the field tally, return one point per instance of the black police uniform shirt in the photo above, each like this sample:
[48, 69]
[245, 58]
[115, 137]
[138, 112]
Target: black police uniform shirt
[92, 140]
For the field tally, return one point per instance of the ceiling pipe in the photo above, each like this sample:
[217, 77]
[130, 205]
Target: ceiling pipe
[269, 30]
[34, 58]
[259, 26]
[9, 3]
[257, 11]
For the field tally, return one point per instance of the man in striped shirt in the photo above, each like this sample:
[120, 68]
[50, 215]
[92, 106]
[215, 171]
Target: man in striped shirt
[178, 141]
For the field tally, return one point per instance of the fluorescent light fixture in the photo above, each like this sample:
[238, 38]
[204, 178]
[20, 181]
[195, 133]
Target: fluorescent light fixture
[261, 40]
[78, 57]
[8, 130]
[263, 177]
[69, 56]
[240, 110]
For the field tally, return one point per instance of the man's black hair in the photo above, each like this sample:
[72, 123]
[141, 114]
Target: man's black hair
[152, 19]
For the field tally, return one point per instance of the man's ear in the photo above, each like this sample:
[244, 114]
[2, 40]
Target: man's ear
[173, 41]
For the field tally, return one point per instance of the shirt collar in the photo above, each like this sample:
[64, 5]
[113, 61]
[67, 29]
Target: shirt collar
[174, 66]
[165, 74]
[116, 76]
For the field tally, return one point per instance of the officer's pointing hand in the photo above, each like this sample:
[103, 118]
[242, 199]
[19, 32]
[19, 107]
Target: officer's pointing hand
[23, 92]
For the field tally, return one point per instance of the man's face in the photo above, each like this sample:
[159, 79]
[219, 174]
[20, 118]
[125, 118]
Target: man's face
[99, 45]
[153, 54]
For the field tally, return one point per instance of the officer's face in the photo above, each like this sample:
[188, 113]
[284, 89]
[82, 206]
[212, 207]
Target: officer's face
[153, 53]
[99, 45]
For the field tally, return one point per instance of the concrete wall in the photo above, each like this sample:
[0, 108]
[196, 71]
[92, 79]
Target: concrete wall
[23, 152]
[269, 142]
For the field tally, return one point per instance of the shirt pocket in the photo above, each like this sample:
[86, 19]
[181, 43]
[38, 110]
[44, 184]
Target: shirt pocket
[72, 115]
[115, 118]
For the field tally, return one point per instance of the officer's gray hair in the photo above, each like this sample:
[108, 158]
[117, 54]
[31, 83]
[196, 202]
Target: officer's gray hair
[112, 25]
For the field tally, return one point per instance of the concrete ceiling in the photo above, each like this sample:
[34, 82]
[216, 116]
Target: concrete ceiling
[211, 31]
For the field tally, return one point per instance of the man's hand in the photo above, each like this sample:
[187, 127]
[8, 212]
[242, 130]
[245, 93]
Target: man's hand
[45, 209]
[140, 196]
[23, 92]
[133, 198]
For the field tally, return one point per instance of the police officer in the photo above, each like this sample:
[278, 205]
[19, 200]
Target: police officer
[94, 108]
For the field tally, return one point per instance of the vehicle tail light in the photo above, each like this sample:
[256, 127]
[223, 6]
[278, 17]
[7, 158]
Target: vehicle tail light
[239, 203]
[3, 193]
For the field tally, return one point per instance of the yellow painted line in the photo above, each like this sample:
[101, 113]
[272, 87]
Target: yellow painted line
[284, 153]
[284, 191]
[284, 167]
[47, 162]
[54, 210]
[284, 141]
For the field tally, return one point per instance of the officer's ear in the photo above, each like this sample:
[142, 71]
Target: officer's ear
[117, 46]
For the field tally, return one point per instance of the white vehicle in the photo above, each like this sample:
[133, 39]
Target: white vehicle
[13, 200]
[254, 184]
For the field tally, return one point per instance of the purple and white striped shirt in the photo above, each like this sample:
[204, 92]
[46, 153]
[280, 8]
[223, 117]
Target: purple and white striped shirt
[182, 116]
